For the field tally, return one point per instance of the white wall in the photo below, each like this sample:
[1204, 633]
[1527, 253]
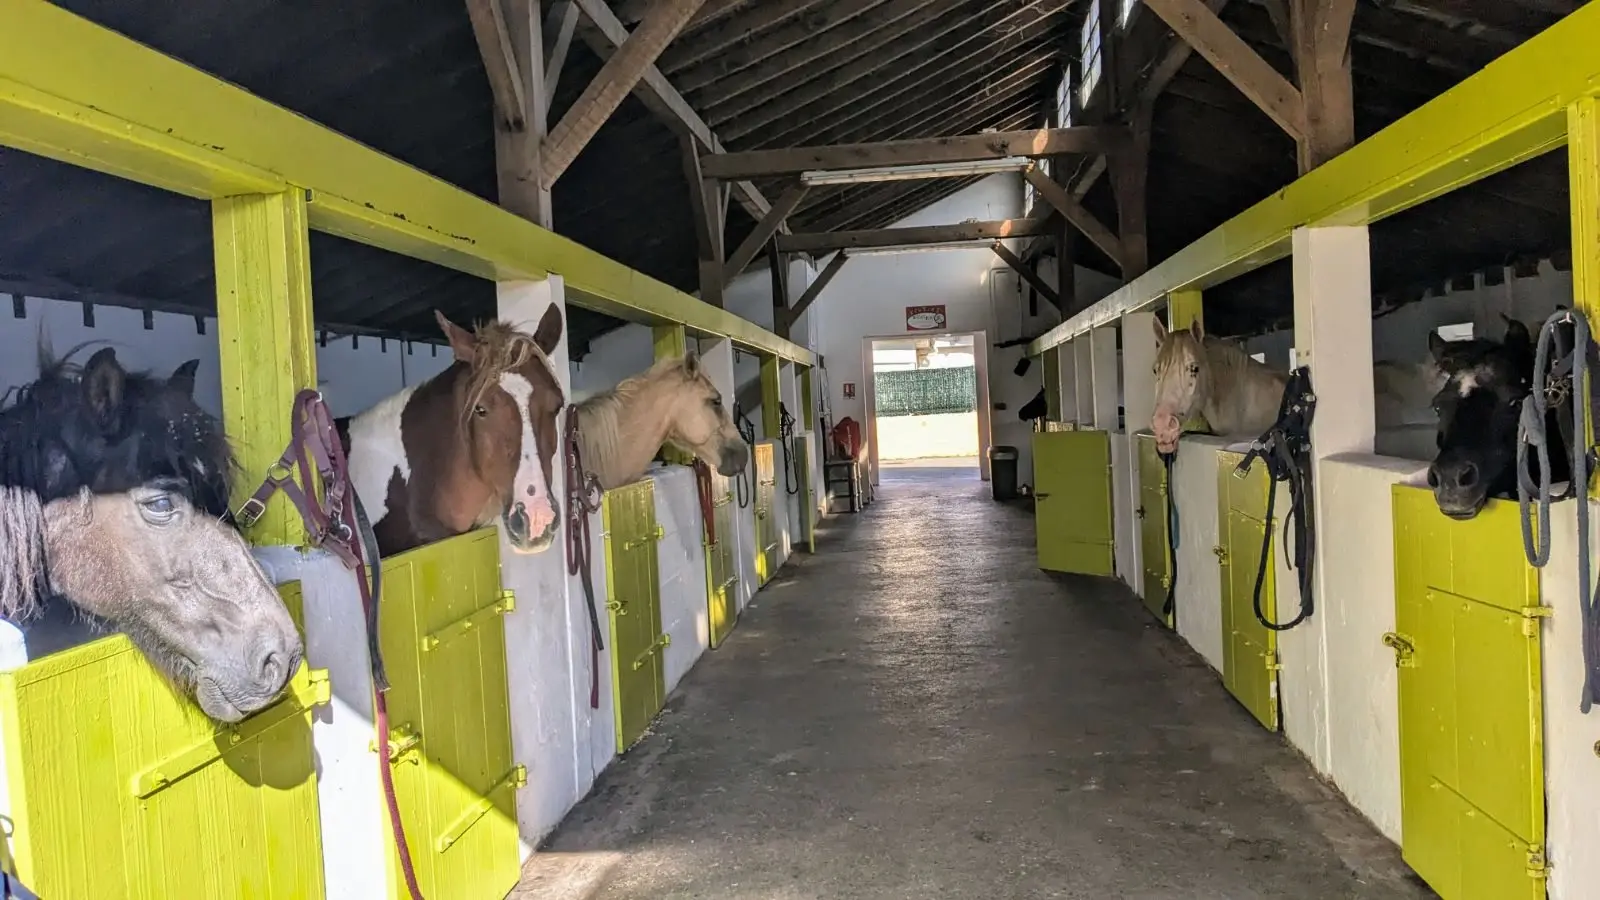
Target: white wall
[681, 559]
[1198, 596]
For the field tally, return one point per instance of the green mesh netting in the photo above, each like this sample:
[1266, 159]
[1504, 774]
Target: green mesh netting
[926, 392]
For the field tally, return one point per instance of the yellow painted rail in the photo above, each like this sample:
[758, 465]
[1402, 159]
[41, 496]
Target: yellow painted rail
[1511, 111]
[76, 92]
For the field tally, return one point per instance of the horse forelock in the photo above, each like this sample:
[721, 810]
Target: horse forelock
[24, 572]
[501, 349]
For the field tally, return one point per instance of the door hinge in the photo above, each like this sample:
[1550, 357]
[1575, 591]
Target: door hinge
[1531, 616]
[508, 600]
[1271, 657]
[1538, 863]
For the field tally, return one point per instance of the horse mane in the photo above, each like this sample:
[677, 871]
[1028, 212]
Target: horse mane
[600, 416]
[51, 445]
[24, 570]
[500, 348]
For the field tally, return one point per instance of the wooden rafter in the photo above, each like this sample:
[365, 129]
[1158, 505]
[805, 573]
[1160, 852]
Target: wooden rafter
[1027, 273]
[615, 81]
[499, 61]
[815, 289]
[896, 237]
[763, 232]
[1205, 31]
[560, 23]
[710, 216]
[1075, 213]
[604, 34]
[965, 148]
[1321, 30]
[709, 42]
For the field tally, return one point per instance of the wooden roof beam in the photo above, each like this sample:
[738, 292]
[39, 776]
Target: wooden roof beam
[918, 151]
[1075, 214]
[499, 61]
[615, 80]
[920, 235]
[815, 289]
[1028, 274]
[1205, 31]
[604, 35]
[710, 41]
[633, 11]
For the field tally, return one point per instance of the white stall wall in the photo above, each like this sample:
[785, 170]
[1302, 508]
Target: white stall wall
[681, 559]
[353, 374]
[1198, 597]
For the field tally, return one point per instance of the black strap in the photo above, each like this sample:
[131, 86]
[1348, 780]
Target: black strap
[1285, 448]
[741, 481]
[791, 472]
[12, 888]
[1170, 607]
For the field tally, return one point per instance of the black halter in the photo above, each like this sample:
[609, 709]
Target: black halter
[1286, 450]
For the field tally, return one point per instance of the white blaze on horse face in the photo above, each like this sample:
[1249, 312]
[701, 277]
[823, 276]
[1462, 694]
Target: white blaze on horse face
[378, 452]
[1175, 389]
[529, 486]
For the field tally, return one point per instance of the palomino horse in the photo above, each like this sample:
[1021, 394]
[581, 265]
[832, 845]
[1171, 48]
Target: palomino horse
[474, 443]
[672, 402]
[113, 487]
[1480, 407]
[1239, 396]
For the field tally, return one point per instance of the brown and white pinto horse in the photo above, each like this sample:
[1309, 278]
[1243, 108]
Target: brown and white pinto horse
[476, 442]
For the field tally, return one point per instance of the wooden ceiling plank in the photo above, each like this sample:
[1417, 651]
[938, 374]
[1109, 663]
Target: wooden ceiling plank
[895, 237]
[928, 45]
[737, 95]
[921, 151]
[617, 78]
[714, 39]
[1229, 54]
[784, 49]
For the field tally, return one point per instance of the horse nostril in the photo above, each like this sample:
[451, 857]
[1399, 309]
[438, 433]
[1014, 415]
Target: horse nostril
[274, 668]
[1433, 476]
[1468, 476]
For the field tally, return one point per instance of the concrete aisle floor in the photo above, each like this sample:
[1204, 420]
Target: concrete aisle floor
[919, 712]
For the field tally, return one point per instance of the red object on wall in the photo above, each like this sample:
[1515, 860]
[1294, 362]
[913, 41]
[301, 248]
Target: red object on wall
[847, 438]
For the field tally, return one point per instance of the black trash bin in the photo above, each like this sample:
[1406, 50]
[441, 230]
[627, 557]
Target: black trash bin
[1003, 472]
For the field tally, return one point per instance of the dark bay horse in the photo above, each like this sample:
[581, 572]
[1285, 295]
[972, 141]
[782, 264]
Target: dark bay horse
[113, 489]
[474, 443]
[1479, 409]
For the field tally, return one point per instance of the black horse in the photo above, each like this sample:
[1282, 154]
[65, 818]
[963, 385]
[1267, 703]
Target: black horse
[1479, 409]
[113, 491]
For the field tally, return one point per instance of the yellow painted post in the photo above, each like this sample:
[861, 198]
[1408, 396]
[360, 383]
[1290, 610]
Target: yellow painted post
[266, 335]
[1583, 166]
[669, 341]
[1184, 307]
[769, 395]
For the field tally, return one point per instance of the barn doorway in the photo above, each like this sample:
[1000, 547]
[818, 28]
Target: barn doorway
[925, 404]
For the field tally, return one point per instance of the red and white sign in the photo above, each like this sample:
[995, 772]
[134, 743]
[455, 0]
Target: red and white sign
[849, 389]
[925, 318]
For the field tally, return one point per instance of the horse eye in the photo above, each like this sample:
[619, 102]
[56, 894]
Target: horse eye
[159, 506]
[480, 410]
[1194, 370]
[716, 402]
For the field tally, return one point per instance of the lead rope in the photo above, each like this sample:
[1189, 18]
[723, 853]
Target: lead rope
[1170, 607]
[791, 473]
[314, 448]
[741, 481]
[583, 497]
[708, 508]
[1531, 434]
[1286, 450]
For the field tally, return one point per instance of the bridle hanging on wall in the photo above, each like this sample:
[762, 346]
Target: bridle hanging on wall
[791, 473]
[741, 481]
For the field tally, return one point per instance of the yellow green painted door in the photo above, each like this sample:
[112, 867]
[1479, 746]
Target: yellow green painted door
[1249, 649]
[722, 563]
[804, 496]
[443, 633]
[766, 548]
[633, 586]
[1153, 526]
[1072, 494]
[1467, 643]
[121, 788]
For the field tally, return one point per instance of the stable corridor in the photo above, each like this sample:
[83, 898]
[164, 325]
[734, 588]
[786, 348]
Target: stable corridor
[919, 712]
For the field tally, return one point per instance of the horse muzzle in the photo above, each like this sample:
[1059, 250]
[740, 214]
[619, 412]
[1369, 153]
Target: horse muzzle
[733, 459]
[531, 531]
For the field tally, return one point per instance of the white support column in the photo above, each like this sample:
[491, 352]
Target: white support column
[1083, 381]
[1333, 336]
[1104, 387]
[716, 357]
[1067, 371]
[547, 635]
[1138, 370]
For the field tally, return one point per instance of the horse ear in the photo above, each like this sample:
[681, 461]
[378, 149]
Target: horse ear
[1198, 330]
[103, 384]
[462, 343]
[1437, 346]
[1159, 329]
[183, 378]
[691, 364]
[1517, 333]
[548, 334]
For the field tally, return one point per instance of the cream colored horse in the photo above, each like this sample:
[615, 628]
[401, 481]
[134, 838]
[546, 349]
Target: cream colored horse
[671, 403]
[1239, 397]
